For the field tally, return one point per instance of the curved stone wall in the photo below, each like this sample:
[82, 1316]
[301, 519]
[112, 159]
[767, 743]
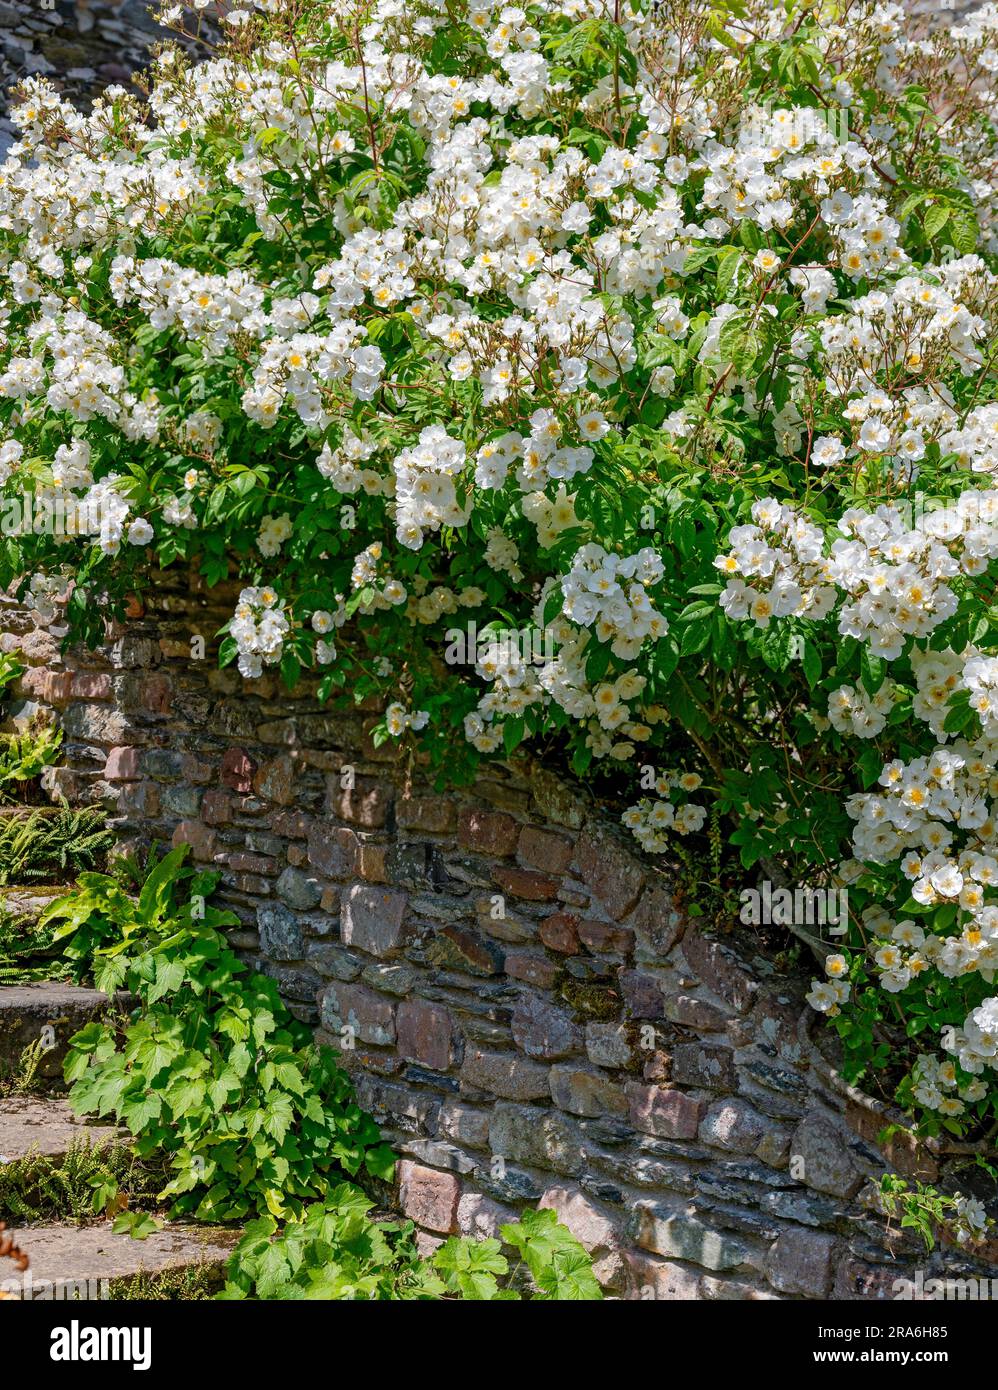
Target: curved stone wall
[521, 1001]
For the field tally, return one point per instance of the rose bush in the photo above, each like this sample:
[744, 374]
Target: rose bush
[659, 337]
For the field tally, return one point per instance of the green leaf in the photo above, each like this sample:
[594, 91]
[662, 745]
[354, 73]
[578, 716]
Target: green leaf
[872, 671]
[811, 661]
[278, 1116]
[137, 1224]
[728, 265]
[157, 891]
[935, 219]
[380, 1162]
[964, 230]
[559, 1265]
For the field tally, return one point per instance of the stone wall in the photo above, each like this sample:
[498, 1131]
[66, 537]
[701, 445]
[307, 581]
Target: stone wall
[532, 1017]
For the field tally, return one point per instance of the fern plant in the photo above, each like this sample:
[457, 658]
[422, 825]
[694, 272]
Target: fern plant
[46, 846]
[24, 1077]
[92, 1178]
[23, 947]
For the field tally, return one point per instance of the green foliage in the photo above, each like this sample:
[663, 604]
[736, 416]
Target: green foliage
[137, 1224]
[932, 1214]
[195, 1284]
[91, 1178]
[11, 668]
[22, 952]
[558, 1264]
[211, 1070]
[334, 1250]
[338, 1251]
[24, 1077]
[47, 846]
[24, 756]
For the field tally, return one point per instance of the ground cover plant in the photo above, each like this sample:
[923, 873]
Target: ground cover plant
[243, 1118]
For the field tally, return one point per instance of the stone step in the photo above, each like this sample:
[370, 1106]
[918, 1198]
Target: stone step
[23, 906]
[26, 904]
[61, 1257]
[34, 1125]
[51, 1011]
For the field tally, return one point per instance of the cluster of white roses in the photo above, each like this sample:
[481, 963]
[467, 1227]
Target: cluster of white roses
[975, 443]
[398, 719]
[371, 264]
[429, 603]
[867, 233]
[525, 669]
[73, 364]
[918, 321]
[547, 665]
[894, 573]
[201, 431]
[71, 465]
[379, 590]
[651, 820]
[937, 677]
[323, 623]
[550, 515]
[343, 468]
[104, 504]
[975, 1046]
[540, 457]
[827, 996]
[43, 598]
[258, 628]
[924, 806]
[852, 710]
[937, 1085]
[816, 285]
[426, 495]
[300, 367]
[782, 553]
[912, 815]
[211, 308]
[502, 554]
[274, 531]
[11, 453]
[980, 677]
[609, 593]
